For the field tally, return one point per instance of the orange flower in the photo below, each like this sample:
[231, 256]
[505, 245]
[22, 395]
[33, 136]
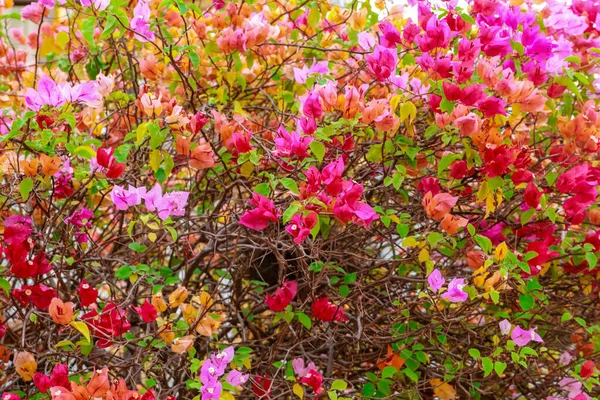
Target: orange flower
[159, 302]
[439, 205]
[50, 165]
[392, 359]
[202, 156]
[99, 384]
[182, 145]
[30, 167]
[25, 365]
[182, 344]
[451, 223]
[475, 259]
[61, 313]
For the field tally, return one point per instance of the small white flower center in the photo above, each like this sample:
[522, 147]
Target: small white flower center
[294, 227]
[211, 370]
[210, 390]
[460, 287]
[85, 286]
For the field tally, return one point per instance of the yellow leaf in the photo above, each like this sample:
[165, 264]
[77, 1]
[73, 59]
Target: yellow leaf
[490, 205]
[410, 242]
[483, 191]
[394, 101]
[442, 390]
[298, 391]
[408, 111]
[423, 255]
[152, 237]
[226, 396]
[501, 251]
[247, 363]
[155, 159]
[83, 329]
[140, 133]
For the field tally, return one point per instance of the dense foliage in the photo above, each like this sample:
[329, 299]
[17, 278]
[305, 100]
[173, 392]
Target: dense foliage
[297, 199]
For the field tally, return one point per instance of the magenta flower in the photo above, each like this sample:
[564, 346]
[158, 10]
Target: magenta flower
[81, 220]
[382, 63]
[332, 177]
[99, 4]
[505, 326]
[291, 144]
[435, 280]
[236, 378]
[299, 227]
[241, 141]
[223, 358]
[390, 36]
[210, 373]
[153, 198]
[212, 391]
[125, 198]
[455, 294]
[312, 106]
[264, 211]
[521, 336]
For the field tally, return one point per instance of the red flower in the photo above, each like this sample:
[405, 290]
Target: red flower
[299, 227]
[282, 297]
[40, 295]
[313, 379]
[31, 268]
[587, 369]
[262, 386]
[323, 310]
[87, 294]
[109, 324]
[105, 157]
[147, 311]
[115, 170]
[59, 377]
[532, 195]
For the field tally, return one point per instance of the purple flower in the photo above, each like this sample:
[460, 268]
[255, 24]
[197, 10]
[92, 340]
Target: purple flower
[172, 204]
[521, 336]
[99, 4]
[212, 391]
[210, 373]
[299, 369]
[124, 199]
[291, 144]
[505, 326]
[236, 378]
[435, 280]
[153, 198]
[565, 358]
[140, 23]
[455, 294]
[223, 358]
[48, 93]
[81, 220]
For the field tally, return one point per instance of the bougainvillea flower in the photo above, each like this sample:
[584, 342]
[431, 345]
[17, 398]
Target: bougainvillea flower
[60, 312]
[390, 36]
[262, 386]
[140, 23]
[240, 142]
[147, 311]
[532, 195]
[291, 144]
[300, 370]
[48, 93]
[236, 378]
[125, 198]
[469, 124]
[39, 265]
[451, 223]
[222, 358]
[282, 297]
[439, 205]
[435, 280]
[87, 293]
[382, 63]
[587, 369]
[264, 211]
[39, 295]
[312, 107]
[10, 396]
[58, 377]
[111, 323]
[202, 156]
[313, 379]
[522, 337]
[505, 327]
[325, 311]
[300, 226]
[455, 293]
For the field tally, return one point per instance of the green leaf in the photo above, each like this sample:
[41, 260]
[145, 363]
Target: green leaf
[488, 365]
[447, 106]
[592, 260]
[446, 160]
[263, 188]
[290, 212]
[25, 187]
[499, 367]
[87, 30]
[339, 385]
[84, 152]
[388, 371]
[484, 242]
[318, 149]
[290, 184]
[137, 247]
[566, 316]
[474, 353]
[109, 27]
[526, 301]
[304, 320]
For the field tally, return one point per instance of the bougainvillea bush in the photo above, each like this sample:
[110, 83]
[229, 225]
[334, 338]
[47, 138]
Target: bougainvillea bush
[300, 199]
